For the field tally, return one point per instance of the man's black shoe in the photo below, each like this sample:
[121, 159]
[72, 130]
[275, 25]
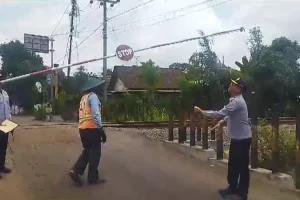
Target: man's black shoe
[6, 170]
[99, 181]
[243, 196]
[226, 191]
[75, 178]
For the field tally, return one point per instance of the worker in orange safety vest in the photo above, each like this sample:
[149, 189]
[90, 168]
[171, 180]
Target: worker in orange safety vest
[91, 134]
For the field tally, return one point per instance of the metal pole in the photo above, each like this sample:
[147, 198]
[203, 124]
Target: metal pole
[105, 48]
[52, 76]
[50, 70]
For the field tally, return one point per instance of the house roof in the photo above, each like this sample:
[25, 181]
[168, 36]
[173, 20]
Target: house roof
[130, 76]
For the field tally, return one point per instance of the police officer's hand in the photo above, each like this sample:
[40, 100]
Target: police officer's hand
[197, 109]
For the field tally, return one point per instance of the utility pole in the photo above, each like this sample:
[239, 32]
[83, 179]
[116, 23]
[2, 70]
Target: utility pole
[52, 75]
[104, 4]
[74, 13]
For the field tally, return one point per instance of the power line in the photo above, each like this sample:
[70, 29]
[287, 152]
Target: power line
[60, 19]
[147, 25]
[131, 9]
[170, 19]
[110, 19]
[64, 58]
[166, 14]
[147, 19]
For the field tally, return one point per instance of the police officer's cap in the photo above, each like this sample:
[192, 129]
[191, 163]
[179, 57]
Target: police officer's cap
[241, 83]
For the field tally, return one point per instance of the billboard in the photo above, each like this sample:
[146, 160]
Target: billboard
[36, 43]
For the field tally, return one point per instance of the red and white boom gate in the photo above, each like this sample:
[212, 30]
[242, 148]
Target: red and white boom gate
[123, 52]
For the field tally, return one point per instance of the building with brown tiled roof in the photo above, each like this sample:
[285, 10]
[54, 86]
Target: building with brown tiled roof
[128, 79]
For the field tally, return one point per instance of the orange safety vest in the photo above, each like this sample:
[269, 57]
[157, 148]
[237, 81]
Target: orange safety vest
[86, 119]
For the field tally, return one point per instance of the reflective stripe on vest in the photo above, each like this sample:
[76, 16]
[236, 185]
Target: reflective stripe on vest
[86, 119]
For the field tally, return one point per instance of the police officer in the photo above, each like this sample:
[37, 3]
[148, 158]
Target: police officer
[91, 134]
[5, 113]
[239, 131]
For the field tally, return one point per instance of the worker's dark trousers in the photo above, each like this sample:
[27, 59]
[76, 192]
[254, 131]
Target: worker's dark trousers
[3, 147]
[238, 165]
[91, 153]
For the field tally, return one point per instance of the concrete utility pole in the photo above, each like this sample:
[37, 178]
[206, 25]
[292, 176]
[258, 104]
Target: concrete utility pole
[52, 76]
[104, 4]
[74, 13]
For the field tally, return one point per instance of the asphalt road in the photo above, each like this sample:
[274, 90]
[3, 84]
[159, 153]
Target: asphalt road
[136, 168]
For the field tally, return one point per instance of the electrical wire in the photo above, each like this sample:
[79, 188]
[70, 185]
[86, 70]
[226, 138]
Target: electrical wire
[64, 58]
[60, 19]
[170, 19]
[165, 14]
[107, 20]
[131, 9]
[147, 19]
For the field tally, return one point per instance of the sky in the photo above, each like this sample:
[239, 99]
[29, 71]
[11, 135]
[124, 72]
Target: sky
[157, 22]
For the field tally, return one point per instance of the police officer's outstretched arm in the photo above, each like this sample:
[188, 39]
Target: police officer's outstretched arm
[224, 112]
[96, 107]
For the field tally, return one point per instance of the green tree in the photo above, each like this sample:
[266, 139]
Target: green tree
[149, 73]
[206, 79]
[71, 85]
[182, 66]
[17, 61]
[272, 71]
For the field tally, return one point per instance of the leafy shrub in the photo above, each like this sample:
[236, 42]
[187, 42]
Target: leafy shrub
[287, 148]
[40, 114]
[136, 107]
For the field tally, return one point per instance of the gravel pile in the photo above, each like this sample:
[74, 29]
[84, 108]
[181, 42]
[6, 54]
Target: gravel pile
[162, 134]
[159, 134]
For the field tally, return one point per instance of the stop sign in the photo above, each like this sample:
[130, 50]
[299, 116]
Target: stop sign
[124, 52]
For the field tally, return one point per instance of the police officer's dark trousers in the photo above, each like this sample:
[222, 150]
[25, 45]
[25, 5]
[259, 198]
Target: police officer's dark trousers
[91, 142]
[238, 166]
[3, 148]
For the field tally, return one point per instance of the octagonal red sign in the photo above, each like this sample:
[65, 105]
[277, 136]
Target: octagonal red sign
[124, 52]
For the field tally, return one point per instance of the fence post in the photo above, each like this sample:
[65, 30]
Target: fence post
[205, 134]
[220, 143]
[297, 181]
[213, 132]
[193, 129]
[181, 128]
[254, 148]
[275, 139]
[181, 122]
[199, 128]
[185, 116]
[171, 126]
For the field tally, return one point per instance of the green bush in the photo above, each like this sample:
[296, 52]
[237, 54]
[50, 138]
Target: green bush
[40, 114]
[136, 107]
[287, 148]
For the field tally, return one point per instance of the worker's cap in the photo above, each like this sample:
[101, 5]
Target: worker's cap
[241, 83]
[91, 83]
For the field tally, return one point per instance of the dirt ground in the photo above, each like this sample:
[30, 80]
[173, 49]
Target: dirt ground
[135, 168]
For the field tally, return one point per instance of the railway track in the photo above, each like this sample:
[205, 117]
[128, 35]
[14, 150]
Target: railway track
[165, 124]
[148, 124]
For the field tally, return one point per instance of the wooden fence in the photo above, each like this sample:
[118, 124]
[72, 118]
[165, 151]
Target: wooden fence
[199, 133]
